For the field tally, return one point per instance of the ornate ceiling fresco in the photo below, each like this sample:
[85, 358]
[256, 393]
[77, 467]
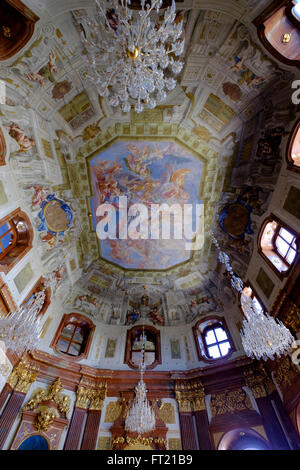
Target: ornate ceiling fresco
[199, 145]
[149, 173]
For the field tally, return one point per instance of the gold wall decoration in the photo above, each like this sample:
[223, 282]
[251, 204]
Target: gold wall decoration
[82, 397]
[97, 398]
[285, 373]
[112, 412]
[104, 443]
[166, 412]
[230, 402]
[23, 278]
[188, 355]
[259, 381]
[175, 348]
[47, 148]
[147, 116]
[45, 418]
[174, 443]
[110, 347]
[260, 430]
[22, 376]
[52, 395]
[217, 438]
[3, 196]
[46, 326]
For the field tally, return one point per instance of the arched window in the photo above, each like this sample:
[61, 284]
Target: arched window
[293, 149]
[16, 236]
[278, 28]
[133, 352]
[243, 439]
[16, 29]
[8, 237]
[213, 340]
[73, 337]
[34, 442]
[278, 244]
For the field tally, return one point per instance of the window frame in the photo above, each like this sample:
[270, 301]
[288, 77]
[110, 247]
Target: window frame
[80, 320]
[267, 13]
[213, 327]
[77, 325]
[12, 229]
[23, 242]
[199, 336]
[290, 162]
[132, 333]
[273, 218]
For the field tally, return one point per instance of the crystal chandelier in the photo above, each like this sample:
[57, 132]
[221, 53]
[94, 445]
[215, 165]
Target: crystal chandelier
[141, 417]
[20, 331]
[262, 336]
[132, 54]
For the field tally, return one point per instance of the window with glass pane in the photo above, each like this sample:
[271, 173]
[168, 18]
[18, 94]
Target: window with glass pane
[136, 352]
[7, 237]
[71, 340]
[217, 342]
[295, 152]
[286, 245]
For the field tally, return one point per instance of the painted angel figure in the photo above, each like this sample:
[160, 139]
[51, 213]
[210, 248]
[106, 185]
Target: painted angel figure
[156, 317]
[39, 195]
[25, 143]
[46, 71]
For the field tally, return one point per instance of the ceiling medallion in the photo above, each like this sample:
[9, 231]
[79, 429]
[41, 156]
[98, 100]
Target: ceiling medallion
[132, 54]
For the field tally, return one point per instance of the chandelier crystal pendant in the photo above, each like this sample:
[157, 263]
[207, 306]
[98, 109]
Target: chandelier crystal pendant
[20, 331]
[132, 54]
[263, 337]
[140, 417]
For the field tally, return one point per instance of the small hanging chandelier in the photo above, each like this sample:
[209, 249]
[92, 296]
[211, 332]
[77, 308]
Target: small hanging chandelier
[262, 336]
[140, 417]
[132, 57]
[20, 331]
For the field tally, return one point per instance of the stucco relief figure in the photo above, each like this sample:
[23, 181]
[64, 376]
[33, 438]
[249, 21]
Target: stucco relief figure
[25, 143]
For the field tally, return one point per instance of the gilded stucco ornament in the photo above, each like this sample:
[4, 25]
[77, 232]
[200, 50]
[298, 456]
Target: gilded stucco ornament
[87, 396]
[22, 376]
[46, 414]
[190, 396]
[229, 402]
[259, 381]
[45, 418]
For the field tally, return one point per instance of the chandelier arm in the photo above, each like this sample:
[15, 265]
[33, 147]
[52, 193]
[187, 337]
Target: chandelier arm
[146, 16]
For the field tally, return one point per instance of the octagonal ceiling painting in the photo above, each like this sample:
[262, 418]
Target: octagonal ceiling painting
[147, 172]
